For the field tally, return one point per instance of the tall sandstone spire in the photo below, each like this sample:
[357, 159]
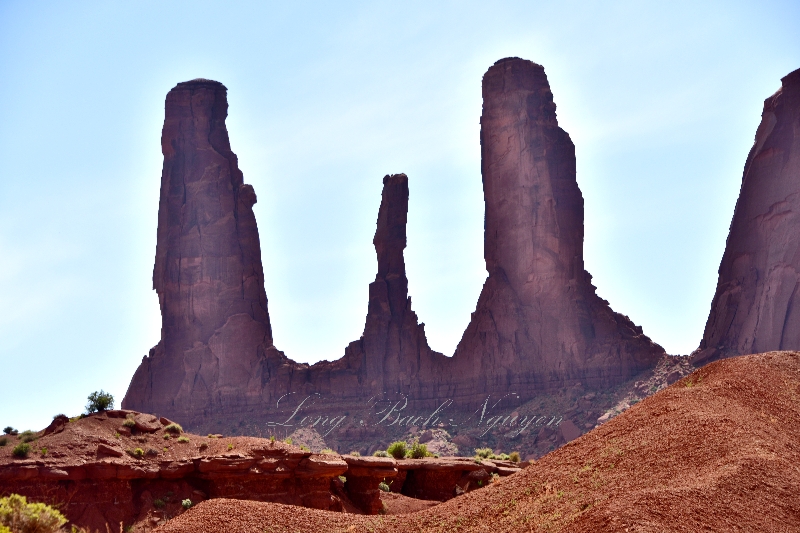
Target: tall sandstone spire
[538, 324]
[756, 307]
[207, 272]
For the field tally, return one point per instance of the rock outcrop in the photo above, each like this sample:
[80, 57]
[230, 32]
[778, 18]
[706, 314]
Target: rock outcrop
[208, 272]
[756, 307]
[538, 325]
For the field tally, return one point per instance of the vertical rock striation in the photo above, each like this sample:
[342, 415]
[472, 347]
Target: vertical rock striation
[756, 307]
[208, 272]
[538, 323]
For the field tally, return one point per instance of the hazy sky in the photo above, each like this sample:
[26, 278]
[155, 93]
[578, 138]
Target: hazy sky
[662, 103]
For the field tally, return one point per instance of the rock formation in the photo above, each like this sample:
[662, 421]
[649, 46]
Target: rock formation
[538, 325]
[208, 272]
[756, 307]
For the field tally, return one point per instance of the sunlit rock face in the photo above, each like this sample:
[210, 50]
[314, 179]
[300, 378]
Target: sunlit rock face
[538, 325]
[208, 272]
[538, 322]
[756, 307]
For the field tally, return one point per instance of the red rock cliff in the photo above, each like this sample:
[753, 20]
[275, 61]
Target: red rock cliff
[208, 272]
[538, 323]
[756, 307]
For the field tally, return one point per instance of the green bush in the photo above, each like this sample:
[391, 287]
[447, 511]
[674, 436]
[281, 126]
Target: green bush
[99, 401]
[483, 453]
[305, 448]
[18, 515]
[174, 428]
[3, 441]
[287, 440]
[187, 503]
[380, 453]
[397, 449]
[418, 451]
[8, 430]
[129, 423]
[166, 436]
[327, 450]
[28, 436]
[183, 439]
[383, 486]
[137, 452]
[21, 450]
[355, 453]
[514, 456]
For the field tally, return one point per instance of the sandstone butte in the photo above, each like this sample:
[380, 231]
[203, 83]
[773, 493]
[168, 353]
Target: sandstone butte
[538, 325]
[715, 451]
[756, 306]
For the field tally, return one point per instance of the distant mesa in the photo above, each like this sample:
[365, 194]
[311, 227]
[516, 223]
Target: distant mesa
[538, 326]
[756, 307]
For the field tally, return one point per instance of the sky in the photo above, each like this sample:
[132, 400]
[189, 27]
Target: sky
[662, 100]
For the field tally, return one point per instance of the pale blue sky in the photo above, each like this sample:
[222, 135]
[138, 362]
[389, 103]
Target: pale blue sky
[661, 99]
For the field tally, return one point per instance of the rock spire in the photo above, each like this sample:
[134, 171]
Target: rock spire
[756, 307]
[207, 273]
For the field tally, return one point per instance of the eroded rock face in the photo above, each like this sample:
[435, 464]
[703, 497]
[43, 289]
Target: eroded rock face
[539, 323]
[208, 272]
[756, 307]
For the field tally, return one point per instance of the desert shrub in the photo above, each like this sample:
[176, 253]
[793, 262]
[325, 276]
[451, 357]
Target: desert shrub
[514, 456]
[287, 440]
[343, 479]
[3, 441]
[203, 445]
[158, 503]
[4, 529]
[99, 401]
[151, 452]
[186, 504]
[28, 436]
[230, 446]
[397, 449]
[495, 477]
[129, 423]
[183, 439]
[271, 438]
[212, 436]
[21, 450]
[136, 452]
[327, 450]
[483, 453]
[8, 430]
[43, 451]
[174, 428]
[380, 453]
[355, 453]
[305, 448]
[166, 436]
[501, 457]
[18, 515]
[418, 451]
[383, 486]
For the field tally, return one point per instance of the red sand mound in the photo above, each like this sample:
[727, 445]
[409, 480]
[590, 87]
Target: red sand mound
[717, 451]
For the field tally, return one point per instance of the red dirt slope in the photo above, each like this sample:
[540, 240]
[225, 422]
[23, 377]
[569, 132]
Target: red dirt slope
[717, 451]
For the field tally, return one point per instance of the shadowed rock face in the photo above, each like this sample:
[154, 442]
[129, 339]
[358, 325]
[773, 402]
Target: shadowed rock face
[208, 272]
[538, 325]
[756, 307]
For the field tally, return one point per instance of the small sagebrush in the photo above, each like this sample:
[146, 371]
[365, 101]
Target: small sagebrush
[17, 515]
[397, 449]
[380, 453]
[418, 451]
[383, 486]
[183, 439]
[174, 428]
[21, 450]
